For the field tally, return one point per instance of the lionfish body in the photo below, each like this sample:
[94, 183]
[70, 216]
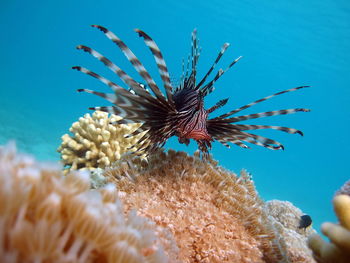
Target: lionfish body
[180, 111]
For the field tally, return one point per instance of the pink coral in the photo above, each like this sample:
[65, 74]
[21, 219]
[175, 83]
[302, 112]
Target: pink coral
[215, 215]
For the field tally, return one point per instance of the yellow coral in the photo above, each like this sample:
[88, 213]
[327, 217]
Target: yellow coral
[215, 215]
[96, 142]
[339, 234]
[48, 217]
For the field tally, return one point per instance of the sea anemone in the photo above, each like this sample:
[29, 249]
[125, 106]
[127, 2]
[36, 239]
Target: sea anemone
[215, 215]
[48, 217]
[180, 112]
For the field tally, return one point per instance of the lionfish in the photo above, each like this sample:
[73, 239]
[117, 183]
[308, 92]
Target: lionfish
[180, 111]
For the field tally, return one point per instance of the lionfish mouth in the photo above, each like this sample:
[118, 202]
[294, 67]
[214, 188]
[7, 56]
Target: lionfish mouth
[180, 110]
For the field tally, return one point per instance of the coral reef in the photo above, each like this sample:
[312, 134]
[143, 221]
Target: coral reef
[215, 215]
[285, 217]
[345, 189]
[96, 141]
[339, 235]
[48, 217]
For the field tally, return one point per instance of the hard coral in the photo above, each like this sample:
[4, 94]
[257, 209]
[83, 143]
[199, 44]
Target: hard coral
[215, 215]
[48, 217]
[285, 218]
[96, 141]
[339, 234]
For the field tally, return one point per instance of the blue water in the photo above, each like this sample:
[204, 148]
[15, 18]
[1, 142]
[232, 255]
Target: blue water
[284, 43]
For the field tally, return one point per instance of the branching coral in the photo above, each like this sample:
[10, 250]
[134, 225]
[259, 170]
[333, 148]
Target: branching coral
[339, 234]
[215, 215]
[48, 217]
[96, 141]
[285, 217]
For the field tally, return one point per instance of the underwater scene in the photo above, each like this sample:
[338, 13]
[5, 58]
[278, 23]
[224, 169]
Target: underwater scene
[174, 131]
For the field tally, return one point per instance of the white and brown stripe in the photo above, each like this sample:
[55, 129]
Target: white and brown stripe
[134, 61]
[181, 111]
[260, 100]
[162, 68]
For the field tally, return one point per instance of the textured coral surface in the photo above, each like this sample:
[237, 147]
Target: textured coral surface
[48, 217]
[96, 141]
[188, 210]
[286, 219]
[215, 215]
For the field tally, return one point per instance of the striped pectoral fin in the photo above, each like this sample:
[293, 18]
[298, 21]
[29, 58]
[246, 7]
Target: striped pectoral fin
[162, 68]
[260, 100]
[271, 147]
[239, 143]
[141, 143]
[122, 75]
[133, 60]
[225, 144]
[226, 137]
[218, 105]
[107, 96]
[265, 114]
[116, 88]
[206, 89]
[119, 100]
[128, 115]
[194, 53]
[260, 140]
[222, 51]
[245, 127]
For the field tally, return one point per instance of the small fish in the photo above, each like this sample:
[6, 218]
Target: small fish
[305, 221]
[180, 111]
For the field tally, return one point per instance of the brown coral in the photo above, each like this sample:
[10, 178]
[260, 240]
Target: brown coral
[48, 217]
[339, 234]
[215, 215]
[96, 142]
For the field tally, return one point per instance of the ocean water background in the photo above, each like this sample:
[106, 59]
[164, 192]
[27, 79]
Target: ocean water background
[284, 43]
